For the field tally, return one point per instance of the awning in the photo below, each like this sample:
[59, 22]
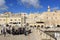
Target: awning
[39, 22]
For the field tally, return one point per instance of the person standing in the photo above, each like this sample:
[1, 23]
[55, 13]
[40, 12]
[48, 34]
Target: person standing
[4, 30]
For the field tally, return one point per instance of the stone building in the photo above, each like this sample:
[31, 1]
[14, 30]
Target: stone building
[38, 20]
[45, 19]
[10, 19]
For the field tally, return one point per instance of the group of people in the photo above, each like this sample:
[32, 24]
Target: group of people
[12, 30]
[6, 29]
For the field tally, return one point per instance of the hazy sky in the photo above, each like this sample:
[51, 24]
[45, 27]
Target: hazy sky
[28, 6]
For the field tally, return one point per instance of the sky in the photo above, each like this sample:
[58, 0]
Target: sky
[27, 6]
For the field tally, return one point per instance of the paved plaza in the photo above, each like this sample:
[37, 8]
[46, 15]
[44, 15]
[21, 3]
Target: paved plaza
[32, 36]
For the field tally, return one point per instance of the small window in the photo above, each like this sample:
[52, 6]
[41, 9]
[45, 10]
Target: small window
[34, 25]
[27, 24]
[11, 20]
[15, 19]
[38, 26]
[41, 26]
[18, 19]
[31, 26]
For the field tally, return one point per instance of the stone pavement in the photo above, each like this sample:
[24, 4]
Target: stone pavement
[32, 36]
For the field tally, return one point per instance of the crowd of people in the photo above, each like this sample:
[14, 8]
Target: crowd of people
[11, 30]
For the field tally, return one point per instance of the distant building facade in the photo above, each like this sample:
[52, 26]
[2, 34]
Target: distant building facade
[44, 19]
[47, 19]
[11, 19]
